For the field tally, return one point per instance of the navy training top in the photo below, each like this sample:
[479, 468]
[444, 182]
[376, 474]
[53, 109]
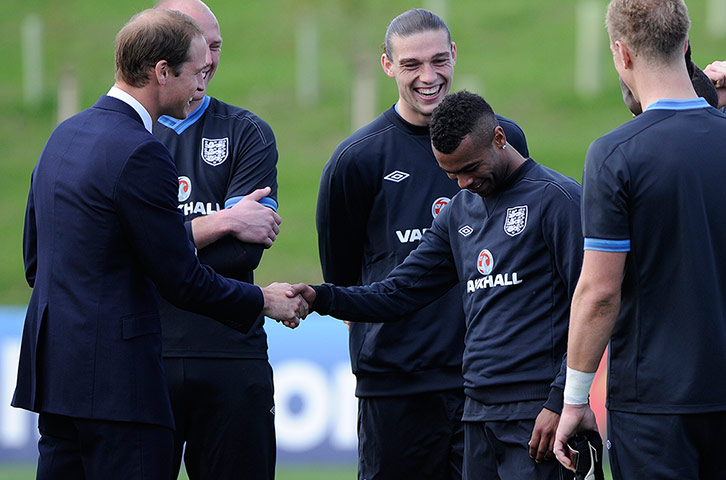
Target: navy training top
[514, 259]
[222, 153]
[654, 188]
[379, 193]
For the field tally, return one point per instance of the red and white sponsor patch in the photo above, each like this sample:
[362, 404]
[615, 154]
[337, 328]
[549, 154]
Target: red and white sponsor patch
[185, 188]
[485, 262]
[439, 205]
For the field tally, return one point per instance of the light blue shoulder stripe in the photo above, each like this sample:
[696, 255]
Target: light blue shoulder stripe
[180, 125]
[605, 245]
[674, 104]
[267, 201]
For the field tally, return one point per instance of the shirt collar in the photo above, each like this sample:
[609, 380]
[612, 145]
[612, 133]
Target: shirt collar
[116, 92]
[179, 126]
[678, 104]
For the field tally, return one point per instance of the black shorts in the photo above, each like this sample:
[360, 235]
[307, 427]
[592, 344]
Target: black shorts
[224, 412]
[664, 447]
[413, 436]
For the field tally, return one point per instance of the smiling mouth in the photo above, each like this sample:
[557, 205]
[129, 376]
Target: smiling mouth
[429, 91]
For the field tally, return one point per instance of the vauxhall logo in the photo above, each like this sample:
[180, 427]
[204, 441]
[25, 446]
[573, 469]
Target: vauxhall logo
[485, 266]
[415, 234]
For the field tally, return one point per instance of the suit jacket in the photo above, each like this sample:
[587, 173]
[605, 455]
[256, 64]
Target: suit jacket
[102, 231]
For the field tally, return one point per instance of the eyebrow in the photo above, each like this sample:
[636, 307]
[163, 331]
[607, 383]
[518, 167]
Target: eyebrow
[436, 56]
[468, 166]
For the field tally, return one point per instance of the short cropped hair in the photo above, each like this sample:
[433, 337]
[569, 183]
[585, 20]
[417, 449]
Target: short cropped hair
[656, 29]
[410, 22]
[151, 36]
[458, 115]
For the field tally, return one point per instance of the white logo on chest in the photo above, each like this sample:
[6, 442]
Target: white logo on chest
[516, 220]
[215, 150]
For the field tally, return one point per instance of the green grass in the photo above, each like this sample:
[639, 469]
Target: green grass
[519, 55]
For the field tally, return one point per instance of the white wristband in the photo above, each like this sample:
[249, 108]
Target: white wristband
[577, 386]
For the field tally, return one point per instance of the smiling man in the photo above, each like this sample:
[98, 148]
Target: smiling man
[378, 195]
[220, 381]
[102, 236]
[509, 244]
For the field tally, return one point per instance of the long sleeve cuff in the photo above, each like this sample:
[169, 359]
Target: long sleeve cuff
[190, 232]
[323, 297]
[555, 400]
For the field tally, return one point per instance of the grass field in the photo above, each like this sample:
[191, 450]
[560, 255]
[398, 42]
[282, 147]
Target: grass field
[519, 55]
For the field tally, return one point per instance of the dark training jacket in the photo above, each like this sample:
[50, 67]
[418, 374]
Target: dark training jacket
[379, 193]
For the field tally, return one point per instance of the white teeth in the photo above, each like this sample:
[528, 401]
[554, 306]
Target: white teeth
[429, 91]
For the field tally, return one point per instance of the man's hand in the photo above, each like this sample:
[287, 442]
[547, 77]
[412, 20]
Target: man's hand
[543, 436]
[716, 71]
[285, 304]
[575, 418]
[251, 222]
[307, 292]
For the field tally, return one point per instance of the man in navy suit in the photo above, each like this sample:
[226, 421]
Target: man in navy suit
[102, 235]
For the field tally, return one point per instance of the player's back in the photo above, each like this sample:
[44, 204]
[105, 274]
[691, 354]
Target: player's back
[671, 164]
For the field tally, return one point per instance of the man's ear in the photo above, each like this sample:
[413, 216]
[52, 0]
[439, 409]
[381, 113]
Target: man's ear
[500, 138]
[387, 65]
[162, 72]
[625, 54]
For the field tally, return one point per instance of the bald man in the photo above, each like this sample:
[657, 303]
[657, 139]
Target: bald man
[220, 381]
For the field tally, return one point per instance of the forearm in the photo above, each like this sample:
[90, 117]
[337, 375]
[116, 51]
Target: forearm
[592, 320]
[207, 229]
[376, 303]
[231, 257]
[595, 308]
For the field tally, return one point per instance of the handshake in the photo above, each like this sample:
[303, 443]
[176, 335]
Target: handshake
[287, 303]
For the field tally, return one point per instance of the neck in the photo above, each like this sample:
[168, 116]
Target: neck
[412, 116]
[514, 159]
[144, 96]
[667, 82]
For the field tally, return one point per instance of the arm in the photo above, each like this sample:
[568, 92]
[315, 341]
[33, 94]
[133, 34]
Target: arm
[233, 240]
[247, 221]
[30, 239]
[345, 199]
[595, 308]
[716, 71]
[153, 228]
[427, 273]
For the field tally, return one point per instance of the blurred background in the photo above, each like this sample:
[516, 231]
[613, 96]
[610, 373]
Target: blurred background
[311, 68]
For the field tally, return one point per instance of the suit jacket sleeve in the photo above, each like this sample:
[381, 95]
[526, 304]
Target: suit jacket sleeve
[30, 240]
[145, 201]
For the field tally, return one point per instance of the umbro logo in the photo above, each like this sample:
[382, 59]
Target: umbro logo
[466, 230]
[396, 176]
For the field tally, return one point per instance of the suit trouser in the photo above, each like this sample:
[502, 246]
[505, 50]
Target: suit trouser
[75, 448]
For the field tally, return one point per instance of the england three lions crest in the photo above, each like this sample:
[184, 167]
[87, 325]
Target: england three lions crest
[215, 150]
[516, 220]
